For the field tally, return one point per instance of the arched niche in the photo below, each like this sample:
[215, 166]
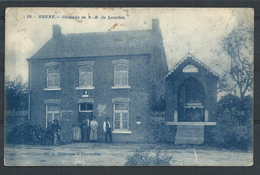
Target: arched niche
[191, 101]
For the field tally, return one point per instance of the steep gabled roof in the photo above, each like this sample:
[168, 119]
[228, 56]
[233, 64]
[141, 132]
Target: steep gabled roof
[101, 43]
[96, 44]
[191, 59]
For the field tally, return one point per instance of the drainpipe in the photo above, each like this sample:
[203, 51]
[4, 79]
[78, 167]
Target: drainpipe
[29, 95]
[29, 105]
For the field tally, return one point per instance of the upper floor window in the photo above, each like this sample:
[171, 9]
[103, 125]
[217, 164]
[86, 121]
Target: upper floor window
[121, 71]
[86, 75]
[53, 75]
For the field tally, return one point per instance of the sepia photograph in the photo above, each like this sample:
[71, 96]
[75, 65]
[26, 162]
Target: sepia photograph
[129, 86]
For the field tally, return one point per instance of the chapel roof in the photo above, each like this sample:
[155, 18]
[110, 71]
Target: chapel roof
[190, 59]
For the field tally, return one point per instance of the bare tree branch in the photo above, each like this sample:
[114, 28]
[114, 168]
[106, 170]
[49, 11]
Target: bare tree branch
[239, 45]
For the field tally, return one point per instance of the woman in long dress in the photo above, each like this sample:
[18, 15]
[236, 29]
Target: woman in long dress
[93, 130]
[76, 132]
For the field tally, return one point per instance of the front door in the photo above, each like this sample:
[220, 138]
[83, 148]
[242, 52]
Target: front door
[85, 110]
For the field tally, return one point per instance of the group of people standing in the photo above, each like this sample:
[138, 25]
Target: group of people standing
[89, 129]
[85, 131]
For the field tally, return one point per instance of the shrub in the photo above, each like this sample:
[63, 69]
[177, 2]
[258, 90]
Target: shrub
[143, 158]
[29, 134]
[234, 123]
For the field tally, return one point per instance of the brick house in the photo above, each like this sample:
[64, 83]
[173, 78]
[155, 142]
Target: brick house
[115, 74]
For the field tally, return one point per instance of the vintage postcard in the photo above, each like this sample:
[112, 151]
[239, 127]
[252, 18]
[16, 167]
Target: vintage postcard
[129, 86]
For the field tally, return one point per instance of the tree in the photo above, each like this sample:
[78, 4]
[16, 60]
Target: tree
[235, 109]
[234, 122]
[16, 94]
[238, 45]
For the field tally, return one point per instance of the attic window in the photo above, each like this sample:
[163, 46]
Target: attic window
[190, 69]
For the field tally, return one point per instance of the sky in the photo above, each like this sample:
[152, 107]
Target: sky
[202, 28]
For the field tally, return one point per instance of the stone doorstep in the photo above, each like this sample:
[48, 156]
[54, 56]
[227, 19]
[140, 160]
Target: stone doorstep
[189, 135]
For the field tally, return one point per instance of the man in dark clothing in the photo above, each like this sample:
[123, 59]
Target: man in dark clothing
[86, 129]
[107, 129]
[56, 130]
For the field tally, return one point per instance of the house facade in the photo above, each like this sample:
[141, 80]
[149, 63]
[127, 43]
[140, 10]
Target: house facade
[112, 74]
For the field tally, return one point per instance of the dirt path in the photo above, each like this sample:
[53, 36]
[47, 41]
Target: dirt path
[100, 154]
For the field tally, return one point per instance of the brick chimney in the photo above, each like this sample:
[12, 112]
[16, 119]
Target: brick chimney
[155, 25]
[56, 31]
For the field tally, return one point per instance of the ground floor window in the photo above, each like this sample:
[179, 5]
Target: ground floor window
[121, 114]
[52, 112]
[121, 120]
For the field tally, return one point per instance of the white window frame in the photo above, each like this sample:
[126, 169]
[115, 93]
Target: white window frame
[52, 75]
[121, 62]
[121, 75]
[120, 130]
[49, 66]
[86, 64]
[89, 76]
[52, 113]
